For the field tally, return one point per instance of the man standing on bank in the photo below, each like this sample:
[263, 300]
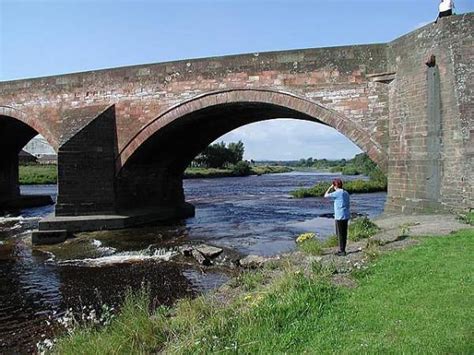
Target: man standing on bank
[341, 212]
[445, 8]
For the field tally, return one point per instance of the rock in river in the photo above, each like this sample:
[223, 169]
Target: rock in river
[252, 261]
[208, 250]
[201, 259]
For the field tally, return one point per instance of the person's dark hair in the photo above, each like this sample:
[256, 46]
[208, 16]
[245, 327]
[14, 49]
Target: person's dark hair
[337, 183]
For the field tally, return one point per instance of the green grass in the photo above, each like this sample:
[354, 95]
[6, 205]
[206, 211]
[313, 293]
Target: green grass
[311, 247]
[355, 186]
[414, 301]
[193, 173]
[467, 218]
[418, 300]
[132, 332]
[309, 244]
[270, 169]
[47, 174]
[361, 228]
[38, 174]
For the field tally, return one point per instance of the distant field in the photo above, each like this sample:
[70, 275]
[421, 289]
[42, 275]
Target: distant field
[47, 174]
[193, 173]
[38, 174]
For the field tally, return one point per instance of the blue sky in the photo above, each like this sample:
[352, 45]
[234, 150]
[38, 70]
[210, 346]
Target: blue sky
[39, 38]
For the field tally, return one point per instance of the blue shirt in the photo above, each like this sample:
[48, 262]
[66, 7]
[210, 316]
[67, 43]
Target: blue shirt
[341, 204]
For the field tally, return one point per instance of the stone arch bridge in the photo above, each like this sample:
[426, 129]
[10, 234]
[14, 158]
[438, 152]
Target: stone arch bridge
[124, 136]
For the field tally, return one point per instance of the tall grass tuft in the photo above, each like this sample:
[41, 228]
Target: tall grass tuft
[362, 228]
[133, 331]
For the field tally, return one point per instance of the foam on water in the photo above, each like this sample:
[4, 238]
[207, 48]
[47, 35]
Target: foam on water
[106, 251]
[121, 258]
[20, 219]
[96, 243]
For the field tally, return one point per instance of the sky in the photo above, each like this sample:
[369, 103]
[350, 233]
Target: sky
[41, 38]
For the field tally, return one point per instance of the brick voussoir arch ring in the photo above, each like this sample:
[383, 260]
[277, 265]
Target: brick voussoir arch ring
[31, 122]
[341, 123]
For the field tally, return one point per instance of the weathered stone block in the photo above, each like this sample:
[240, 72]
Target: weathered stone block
[48, 237]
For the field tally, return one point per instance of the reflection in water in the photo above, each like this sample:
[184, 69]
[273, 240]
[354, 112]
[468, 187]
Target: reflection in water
[253, 215]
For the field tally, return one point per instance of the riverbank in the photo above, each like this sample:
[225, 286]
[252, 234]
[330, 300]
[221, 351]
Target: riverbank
[395, 292]
[196, 173]
[38, 174]
[354, 186]
[47, 174]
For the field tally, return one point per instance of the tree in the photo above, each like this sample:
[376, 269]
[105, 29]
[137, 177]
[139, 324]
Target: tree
[217, 155]
[237, 152]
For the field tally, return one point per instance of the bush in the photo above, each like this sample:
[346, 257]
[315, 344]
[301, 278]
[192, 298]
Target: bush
[350, 170]
[362, 228]
[242, 168]
[467, 218]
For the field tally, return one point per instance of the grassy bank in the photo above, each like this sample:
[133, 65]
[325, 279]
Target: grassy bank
[38, 174]
[359, 228]
[47, 174]
[193, 173]
[417, 300]
[355, 186]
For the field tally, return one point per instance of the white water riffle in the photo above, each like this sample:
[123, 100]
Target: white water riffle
[105, 251]
[122, 258]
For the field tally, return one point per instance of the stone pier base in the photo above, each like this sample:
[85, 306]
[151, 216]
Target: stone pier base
[26, 201]
[73, 224]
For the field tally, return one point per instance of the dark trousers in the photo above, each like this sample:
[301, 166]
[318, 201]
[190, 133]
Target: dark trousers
[445, 13]
[341, 231]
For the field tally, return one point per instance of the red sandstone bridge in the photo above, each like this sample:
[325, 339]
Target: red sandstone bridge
[124, 136]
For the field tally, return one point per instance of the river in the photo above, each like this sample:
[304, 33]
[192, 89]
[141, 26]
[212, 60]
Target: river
[250, 215]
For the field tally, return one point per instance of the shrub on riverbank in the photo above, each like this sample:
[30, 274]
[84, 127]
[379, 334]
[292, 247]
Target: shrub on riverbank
[395, 309]
[38, 174]
[355, 186]
[467, 218]
[361, 228]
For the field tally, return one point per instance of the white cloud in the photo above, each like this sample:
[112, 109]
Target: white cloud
[290, 139]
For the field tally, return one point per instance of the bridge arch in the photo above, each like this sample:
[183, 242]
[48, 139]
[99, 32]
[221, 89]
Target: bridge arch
[16, 130]
[251, 102]
[27, 122]
[151, 166]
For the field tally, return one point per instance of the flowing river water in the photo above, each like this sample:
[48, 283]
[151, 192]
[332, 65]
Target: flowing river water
[246, 215]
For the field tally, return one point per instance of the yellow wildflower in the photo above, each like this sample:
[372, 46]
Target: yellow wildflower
[305, 236]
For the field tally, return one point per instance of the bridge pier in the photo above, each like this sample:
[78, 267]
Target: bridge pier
[86, 166]
[91, 196]
[9, 189]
